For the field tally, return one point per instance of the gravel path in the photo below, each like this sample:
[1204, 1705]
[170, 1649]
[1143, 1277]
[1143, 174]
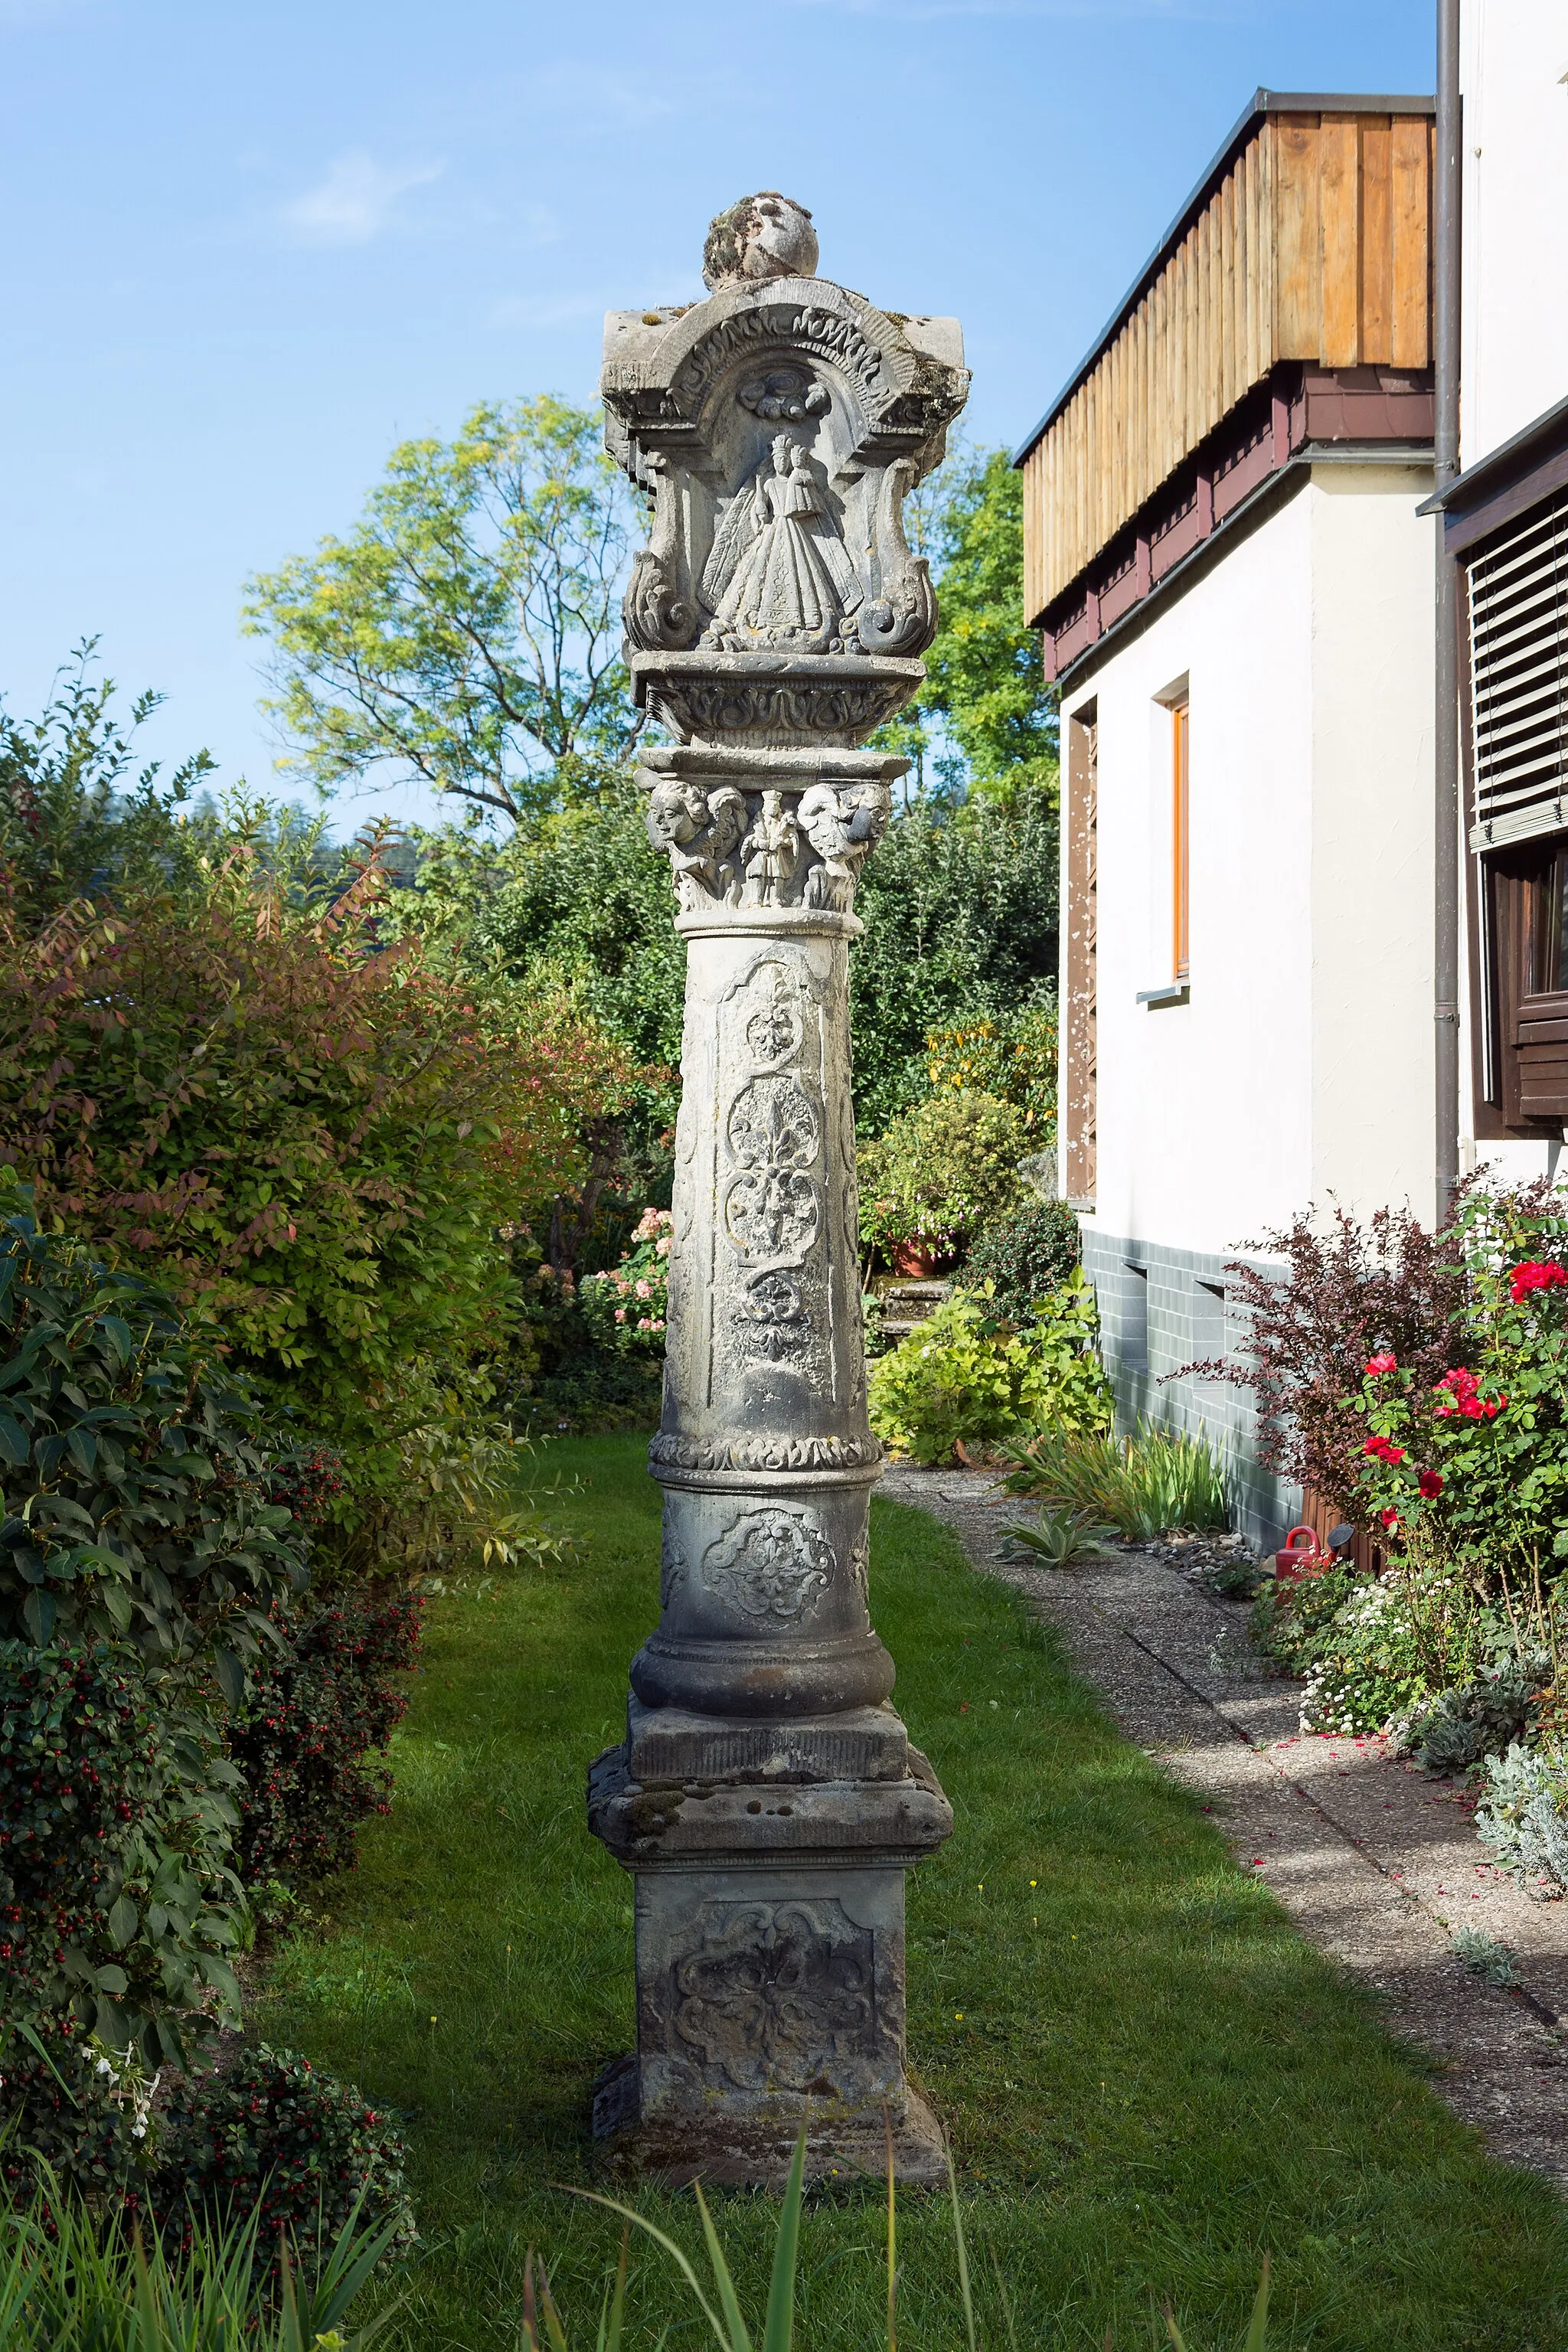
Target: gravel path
[1374, 1861]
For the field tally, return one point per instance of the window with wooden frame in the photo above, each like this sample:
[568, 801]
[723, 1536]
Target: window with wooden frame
[1527, 905]
[1517, 608]
[1181, 836]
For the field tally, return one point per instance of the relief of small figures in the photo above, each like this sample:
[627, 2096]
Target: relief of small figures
[810, 855]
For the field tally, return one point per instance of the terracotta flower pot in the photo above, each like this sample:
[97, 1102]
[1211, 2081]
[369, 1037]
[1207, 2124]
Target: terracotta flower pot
[914, 1260]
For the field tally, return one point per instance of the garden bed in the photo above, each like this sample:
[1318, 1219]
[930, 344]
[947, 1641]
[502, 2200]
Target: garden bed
[1148, 2076]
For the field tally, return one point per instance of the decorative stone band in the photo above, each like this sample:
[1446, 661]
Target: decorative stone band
[753, 1454]
[778, 701]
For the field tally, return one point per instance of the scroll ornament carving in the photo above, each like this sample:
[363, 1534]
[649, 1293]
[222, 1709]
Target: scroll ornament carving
[656, 615]
[770, 1565]
[777, 1993]
[728, 847]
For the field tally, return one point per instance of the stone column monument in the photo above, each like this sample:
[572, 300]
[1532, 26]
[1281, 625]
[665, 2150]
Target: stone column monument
[766, 1799]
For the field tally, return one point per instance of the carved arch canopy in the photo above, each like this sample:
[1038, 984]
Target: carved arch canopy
[780, 429]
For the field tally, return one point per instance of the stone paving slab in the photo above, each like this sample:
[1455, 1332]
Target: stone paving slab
[1376, 1861]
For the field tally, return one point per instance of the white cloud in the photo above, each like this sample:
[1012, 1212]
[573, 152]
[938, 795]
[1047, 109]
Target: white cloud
[353, 202]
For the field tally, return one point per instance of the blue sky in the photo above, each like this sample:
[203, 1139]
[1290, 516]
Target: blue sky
[250, 246]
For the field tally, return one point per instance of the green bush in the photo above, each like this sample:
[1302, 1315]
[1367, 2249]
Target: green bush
[1154, 1483]
[1394, 1642]
[118, 1906]
[274, 2137]
[134, 1478]
[943, 1171]
[969, 1374]
[1027, 1257]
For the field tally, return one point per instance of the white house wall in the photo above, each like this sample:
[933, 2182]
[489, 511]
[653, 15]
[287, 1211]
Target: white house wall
[1514, 275]
[1302, 1065]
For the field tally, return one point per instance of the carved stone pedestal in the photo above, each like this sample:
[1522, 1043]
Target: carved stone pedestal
[766, 1799]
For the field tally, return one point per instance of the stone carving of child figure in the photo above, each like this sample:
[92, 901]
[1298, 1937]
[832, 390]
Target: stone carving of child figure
[772, 853]
[779, 574]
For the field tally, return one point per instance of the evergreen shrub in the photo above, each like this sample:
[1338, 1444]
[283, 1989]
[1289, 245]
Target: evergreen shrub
[273, 2135]
[311, 1721]
[1027, 1256]
[118, 1906]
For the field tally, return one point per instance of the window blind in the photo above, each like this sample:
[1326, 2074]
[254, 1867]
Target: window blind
[1518, 675]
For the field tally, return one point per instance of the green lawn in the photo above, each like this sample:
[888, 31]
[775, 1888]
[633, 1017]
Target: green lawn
[1147, 2077]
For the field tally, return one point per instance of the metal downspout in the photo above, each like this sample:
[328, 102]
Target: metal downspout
[1446, 453]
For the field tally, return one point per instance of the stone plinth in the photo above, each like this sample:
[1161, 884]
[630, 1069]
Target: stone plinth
[766, 1799]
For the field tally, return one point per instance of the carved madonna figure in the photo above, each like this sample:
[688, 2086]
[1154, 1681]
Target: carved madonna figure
[779, 574]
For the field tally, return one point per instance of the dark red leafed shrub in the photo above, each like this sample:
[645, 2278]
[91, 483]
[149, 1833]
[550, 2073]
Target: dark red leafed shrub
[1348, 1292]
[274, 2133]
[312, 1722]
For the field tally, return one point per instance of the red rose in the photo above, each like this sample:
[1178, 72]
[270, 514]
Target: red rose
[1389, 1521]
[1430, 1483]
[1384, 1363]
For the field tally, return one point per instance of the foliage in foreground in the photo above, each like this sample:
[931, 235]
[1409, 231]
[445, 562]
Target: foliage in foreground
[66, 2283]
[1154, 1483]
[969, 1374]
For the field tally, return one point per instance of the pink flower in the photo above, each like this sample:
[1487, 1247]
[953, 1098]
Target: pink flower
[645, 1290]
[1377, 1364]
[620, 1314]
[1430, 1483]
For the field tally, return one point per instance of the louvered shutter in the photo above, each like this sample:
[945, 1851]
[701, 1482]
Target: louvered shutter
[1519, 671]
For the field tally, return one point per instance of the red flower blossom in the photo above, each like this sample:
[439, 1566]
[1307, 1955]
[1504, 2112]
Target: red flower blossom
[1430, 1483]
[1384, 1363]
[1383, 1450]
[1389, 1521]
[1536, 1274]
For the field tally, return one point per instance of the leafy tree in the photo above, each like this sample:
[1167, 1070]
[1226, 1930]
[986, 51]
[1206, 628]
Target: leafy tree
[468, 630]
[960, 910]
[67, 828]
[984, 676]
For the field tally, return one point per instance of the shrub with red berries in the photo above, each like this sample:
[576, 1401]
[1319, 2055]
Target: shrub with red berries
[117, 1906]
[314, 1721]
[275, 2134]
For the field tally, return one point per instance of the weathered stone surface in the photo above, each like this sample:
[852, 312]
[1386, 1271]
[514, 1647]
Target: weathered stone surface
[766, 1799]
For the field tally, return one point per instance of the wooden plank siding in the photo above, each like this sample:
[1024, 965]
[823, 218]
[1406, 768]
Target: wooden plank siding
[1315, 245]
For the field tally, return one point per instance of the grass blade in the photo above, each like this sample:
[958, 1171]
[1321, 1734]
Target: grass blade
[740, 2336]
[779, 2333]
[612, 2315]
[1258, 2333]
[892, 2239]
[592, 2197]
[963, 2286]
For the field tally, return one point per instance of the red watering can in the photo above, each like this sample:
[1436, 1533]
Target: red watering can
[1299, 1556]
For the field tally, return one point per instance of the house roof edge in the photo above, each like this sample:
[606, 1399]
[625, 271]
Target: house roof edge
[1262, 102]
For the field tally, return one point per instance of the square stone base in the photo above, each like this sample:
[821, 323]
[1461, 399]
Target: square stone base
[756, 2151]
[770, 1992]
